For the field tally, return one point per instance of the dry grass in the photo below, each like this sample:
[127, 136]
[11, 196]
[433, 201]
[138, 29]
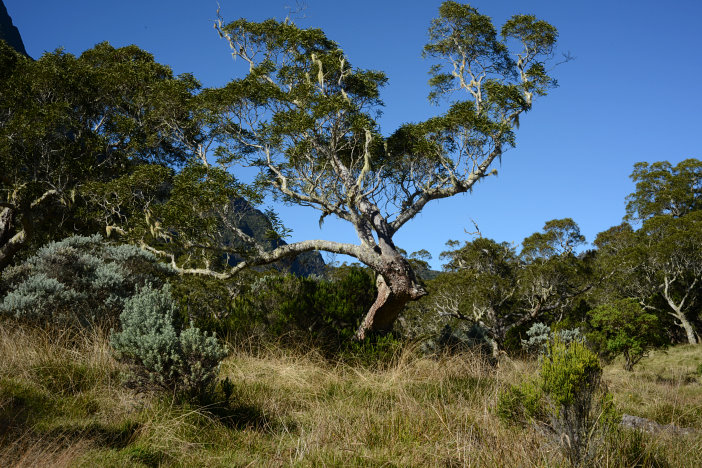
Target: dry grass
[665, 387]
[62, 404]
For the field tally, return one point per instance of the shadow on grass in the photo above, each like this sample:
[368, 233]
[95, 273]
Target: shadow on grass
[115, 436]
[244, 416]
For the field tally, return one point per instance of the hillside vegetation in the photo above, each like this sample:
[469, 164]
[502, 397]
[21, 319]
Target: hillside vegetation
[62, 403]
[152, 312]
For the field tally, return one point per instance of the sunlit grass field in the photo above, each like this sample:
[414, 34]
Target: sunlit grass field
[63, 403]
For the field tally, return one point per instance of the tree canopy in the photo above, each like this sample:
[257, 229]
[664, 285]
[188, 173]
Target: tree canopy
[118, 141]
[307, 119]
[68, 121]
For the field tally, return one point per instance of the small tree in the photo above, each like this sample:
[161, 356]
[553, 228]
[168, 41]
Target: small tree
[625, 328]
[567, 400]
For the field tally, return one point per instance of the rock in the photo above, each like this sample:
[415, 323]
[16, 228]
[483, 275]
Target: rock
[9, 32]
[652, 427]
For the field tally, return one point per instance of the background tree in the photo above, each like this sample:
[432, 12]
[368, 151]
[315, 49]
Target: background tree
[489, 285]
[624, 328]
[66, 121]
[660, 264]
[554, 274]
[664, 189]
[306, 118]
[481, 286]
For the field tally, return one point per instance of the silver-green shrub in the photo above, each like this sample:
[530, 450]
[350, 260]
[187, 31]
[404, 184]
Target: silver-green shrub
[185, 361]
[78, 280]
[540, 337]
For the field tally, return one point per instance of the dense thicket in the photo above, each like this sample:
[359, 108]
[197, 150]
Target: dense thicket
[640, 287]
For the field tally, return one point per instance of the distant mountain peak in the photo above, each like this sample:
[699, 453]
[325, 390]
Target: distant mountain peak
[9, 32]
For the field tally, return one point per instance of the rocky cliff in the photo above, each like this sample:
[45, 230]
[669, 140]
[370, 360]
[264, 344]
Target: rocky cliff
[257, 225]
[9, 32]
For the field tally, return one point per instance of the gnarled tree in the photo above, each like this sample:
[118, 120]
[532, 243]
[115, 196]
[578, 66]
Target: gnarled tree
[307, 119]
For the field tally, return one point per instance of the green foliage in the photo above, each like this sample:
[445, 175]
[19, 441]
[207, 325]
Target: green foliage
[78, 280]
[569, 374]
[376, 351]
[567, 399]
[186, 361]
[660, 264]
[521, 404]
[559, 237]
[664, 189]
[69, 122]
[625, 328]
[273, 306]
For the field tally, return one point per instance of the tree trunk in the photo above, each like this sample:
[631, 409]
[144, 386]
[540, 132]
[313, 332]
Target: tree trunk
[680, 315]
[397, 285]
[689, 330]
[11, 240]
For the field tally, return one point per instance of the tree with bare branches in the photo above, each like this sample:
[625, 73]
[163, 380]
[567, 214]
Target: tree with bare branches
[489, 285]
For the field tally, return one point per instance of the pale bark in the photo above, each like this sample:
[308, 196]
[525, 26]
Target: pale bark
[14, 235]
[11, 241]
[678, 311]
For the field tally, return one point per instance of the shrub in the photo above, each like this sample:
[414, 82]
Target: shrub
[567, 401]
[185, 361]
[78, 280]
[625, 328]
[541, 337]
[375, 351]
[282, 308]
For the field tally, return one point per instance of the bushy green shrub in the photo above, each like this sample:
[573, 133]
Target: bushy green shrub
[283, 308]
[186, 361]
[567, 400]
[78, 280]
[624, 328]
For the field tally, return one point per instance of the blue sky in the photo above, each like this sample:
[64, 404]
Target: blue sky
[632, 94]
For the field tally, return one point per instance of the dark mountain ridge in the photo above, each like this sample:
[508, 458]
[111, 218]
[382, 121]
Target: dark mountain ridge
[9, 32]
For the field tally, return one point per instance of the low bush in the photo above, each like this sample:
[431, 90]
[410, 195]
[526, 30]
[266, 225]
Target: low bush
[78, 281]
[567, 401]
[541, 337]
[185, 361]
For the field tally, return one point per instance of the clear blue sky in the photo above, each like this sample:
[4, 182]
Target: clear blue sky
[632, 94]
